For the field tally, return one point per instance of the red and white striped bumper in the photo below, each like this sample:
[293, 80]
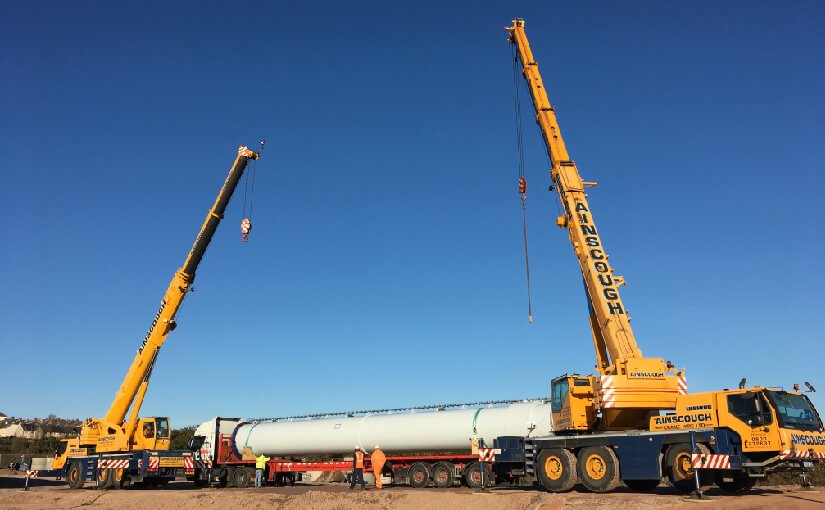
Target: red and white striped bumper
[709, 461]
[800, 454]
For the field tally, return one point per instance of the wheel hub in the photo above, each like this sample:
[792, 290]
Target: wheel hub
[595, 466]
[553, 467]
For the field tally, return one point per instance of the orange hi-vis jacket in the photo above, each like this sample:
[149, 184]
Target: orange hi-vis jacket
[359, 460]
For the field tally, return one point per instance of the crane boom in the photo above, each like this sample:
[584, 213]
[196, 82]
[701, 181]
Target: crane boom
[630, 388]
[164, 321]
[610, 324]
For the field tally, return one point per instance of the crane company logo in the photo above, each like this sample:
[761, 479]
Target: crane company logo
[591, 238]
[651, 375]
[152, 327]
[805, 440]
[704, 407]
[684, 418]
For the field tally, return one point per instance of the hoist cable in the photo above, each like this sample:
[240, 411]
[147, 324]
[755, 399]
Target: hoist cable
[522, 182]
[527, 261]
[252, 190]
[517, 111]
[245, 188]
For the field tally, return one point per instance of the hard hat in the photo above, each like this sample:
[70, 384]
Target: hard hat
[357, 447]
[376, 447]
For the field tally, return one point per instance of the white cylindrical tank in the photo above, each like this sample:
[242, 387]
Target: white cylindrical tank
[413, 432]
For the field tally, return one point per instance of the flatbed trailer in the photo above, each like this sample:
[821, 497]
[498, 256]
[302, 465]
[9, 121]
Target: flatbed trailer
[229, 468]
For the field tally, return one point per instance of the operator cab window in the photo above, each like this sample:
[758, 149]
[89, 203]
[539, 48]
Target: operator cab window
[559, 391]
[751, 408]
[149, 430]
[163, 427]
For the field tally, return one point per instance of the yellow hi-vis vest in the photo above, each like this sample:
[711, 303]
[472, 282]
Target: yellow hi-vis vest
[260, 462]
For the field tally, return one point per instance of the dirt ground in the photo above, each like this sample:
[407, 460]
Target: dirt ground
[183, 495]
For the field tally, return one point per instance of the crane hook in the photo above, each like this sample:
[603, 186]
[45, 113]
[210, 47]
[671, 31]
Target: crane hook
[246, 227]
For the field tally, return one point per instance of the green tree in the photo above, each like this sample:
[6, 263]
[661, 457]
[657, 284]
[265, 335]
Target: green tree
[179, 438]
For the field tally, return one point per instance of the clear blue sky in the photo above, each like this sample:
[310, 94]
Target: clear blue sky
[386, 264]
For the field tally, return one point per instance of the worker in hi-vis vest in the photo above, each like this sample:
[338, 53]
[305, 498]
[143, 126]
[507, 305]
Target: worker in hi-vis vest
[260, 464]
[357, 468]
[378, 459]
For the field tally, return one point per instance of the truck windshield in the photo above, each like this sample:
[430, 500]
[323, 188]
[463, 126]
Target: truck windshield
[794, 411]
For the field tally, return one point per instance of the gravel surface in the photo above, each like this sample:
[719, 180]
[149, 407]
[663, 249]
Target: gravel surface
[183, 495]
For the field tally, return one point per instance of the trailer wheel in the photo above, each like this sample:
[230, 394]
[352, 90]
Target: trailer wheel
[678, 466]
[741, 483]
[642, 485]
[443, 474]
[419, 475]
[598, 468]
[473, 475]
[75, 476]
[556, 469]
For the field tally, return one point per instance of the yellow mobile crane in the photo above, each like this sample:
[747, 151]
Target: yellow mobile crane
[114, 450]
[630, 388]
[634, 421]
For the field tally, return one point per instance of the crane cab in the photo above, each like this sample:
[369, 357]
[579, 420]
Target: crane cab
[572, 403]
[152, 434]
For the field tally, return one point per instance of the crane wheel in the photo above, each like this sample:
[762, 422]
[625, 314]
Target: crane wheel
[678, 466]
[598, 468]
[556, 469]
[104, 478]
[419, 475]
[443, 474]
[120, 480]
[642, 485]
[75, 476]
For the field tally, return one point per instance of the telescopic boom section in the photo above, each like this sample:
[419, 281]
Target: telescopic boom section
[164, 321]
[611, 326]
[630, 387]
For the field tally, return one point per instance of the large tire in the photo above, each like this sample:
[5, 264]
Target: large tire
[738, 485]
[598, 468]
[443, 475]
[240, 478]
[642, 485]
[75, 476]
[120, 478]
[477, 472]
[678, 467]
[105, 477]
[250, 476]
[419, 475]
[556, 469]
[230, 476]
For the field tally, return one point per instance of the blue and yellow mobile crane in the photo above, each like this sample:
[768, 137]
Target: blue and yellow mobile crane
[634, 422]
[115, 451]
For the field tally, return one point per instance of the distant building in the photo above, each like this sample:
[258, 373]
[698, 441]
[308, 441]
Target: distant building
[59, 431]
[26, 430]
[12, 430]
